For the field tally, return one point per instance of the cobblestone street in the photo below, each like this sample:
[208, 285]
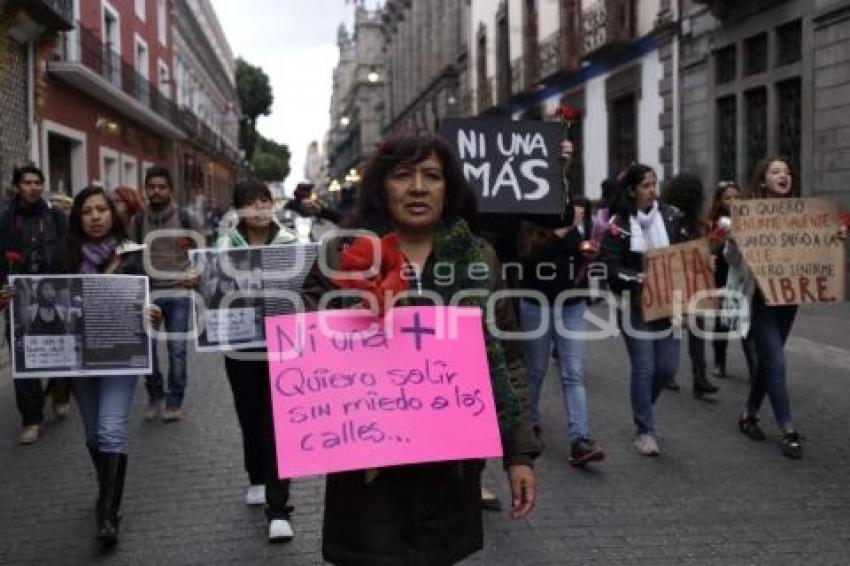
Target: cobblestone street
[713, 497]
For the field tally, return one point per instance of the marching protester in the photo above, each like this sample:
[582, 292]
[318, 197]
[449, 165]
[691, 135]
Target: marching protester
[770, 325]
[719, 223]
[30, 233]
[686, 192]
[554, 261]
[128, 203]
[640, 223]
[414, 196]
[303, 203]
[248, 370]
[171, 279]
[97, 243]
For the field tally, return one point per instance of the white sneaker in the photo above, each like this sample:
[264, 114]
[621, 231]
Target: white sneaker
[646, 445]
[280, 530]
[256, 495]
[30, 434]
[61, 410]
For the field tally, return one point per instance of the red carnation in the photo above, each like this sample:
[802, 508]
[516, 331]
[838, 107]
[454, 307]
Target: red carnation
[387, 283]
[13, 257]
[568, 113]
[844, 219]
[615, 230]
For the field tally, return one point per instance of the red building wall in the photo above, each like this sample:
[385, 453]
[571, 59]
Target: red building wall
[103, 125]
[132, 25]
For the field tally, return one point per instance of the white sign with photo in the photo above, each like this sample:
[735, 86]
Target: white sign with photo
[79, 325]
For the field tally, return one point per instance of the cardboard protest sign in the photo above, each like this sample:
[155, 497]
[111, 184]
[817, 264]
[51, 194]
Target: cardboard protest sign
[79, 325]
[792, 248]
[513, 167]
[350, 391]
[674, 275]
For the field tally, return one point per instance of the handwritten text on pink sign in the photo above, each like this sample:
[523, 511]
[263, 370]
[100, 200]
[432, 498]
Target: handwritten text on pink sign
[350, 391]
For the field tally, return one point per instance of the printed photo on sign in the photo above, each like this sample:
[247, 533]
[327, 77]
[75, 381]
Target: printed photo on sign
[513, 167]
[79, 325]
[239, 287]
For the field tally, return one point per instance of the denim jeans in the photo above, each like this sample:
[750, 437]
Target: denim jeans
[570, 351]
[769, 332]
[105, 404]
[175, 315]
[654, 361]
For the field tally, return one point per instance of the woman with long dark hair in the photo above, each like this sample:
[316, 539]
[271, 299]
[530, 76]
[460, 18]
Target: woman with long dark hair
[640, 223]
[718, 224]
[686, 192]
[770, 325]
[414, 196]
[96, 243]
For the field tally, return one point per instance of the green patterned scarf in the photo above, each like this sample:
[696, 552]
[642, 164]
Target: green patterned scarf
[455, 244]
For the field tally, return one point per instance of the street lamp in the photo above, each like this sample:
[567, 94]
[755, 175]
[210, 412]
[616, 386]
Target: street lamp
[344, 121]
[353, 177]
[373, 76]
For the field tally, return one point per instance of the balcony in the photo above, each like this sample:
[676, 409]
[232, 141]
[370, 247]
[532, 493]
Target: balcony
[92, 66]
[607, 26]
[34, 17]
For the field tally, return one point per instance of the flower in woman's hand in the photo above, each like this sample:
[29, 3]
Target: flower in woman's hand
[13, 257]
[615, 230]
[567, 113]
[382, 287]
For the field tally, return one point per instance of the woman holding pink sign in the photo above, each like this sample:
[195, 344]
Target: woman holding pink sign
[415, 197]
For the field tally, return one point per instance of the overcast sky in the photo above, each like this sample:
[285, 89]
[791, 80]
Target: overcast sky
[294, 41]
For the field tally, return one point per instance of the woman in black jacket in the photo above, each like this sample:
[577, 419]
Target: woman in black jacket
[686, 192]
[640, 223]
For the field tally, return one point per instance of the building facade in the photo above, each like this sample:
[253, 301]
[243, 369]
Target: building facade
[614, 60]
[427, 53]
[764, 78]
[107, 114]
[26, 28]
[358, 107]
[207, 105]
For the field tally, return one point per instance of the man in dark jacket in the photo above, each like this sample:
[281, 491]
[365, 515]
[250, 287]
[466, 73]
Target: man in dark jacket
[30, 232]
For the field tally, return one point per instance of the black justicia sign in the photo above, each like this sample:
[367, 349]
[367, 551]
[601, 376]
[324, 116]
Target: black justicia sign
[512, 166]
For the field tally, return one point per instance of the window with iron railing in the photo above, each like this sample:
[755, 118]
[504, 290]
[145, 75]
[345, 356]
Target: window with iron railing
[84, 47]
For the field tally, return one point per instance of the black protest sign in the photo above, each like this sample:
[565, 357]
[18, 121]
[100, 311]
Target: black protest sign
[513, 167]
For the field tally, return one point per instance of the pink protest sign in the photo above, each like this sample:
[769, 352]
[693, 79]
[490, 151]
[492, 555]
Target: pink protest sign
[350, 391]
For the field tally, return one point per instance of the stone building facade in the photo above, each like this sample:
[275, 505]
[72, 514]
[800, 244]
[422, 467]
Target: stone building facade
[763, 78]
[427, 53]
[403, 66]
[358, 107]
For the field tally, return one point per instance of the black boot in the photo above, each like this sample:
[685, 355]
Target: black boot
[702, 385]
[94, 454]
[112, 469]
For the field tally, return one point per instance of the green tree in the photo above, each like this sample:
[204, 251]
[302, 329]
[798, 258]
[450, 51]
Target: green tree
[255, 100]
[270, 160]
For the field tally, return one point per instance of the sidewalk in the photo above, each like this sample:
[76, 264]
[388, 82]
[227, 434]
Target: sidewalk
[713, 497]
